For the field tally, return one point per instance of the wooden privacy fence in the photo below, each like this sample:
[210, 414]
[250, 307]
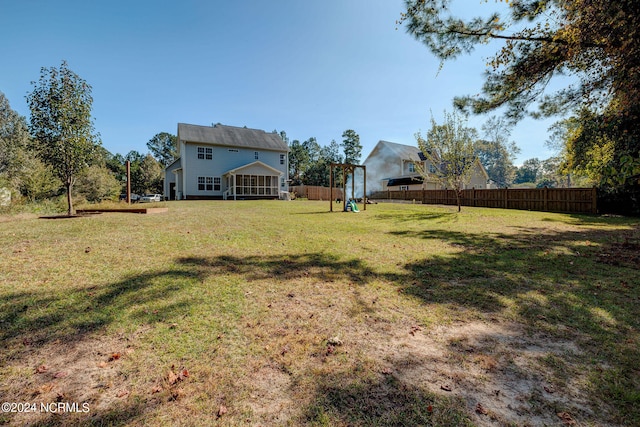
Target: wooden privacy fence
[313, 192]
[566, 200]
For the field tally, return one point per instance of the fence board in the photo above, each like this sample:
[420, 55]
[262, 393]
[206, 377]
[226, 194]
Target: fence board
[313, 192]
[566, 200]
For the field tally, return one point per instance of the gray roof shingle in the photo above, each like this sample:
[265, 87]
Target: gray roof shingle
[231, 136]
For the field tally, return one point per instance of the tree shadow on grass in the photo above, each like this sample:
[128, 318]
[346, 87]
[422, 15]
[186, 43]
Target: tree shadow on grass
[580, 286]
[322, 266]
[66, 328]
[342, 399]
[35, 318]
[412, 216]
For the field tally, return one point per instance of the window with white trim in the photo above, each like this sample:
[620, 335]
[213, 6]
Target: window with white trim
[412, 167]
[404, 187]
[205, 153]
[205, 183]
[256, 155]
[282, 159]
[216, 183]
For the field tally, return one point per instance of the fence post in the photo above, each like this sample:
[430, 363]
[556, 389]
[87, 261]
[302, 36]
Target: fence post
[594, 200]
[545, 204]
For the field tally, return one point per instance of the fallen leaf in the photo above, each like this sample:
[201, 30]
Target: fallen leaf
[445, 387]
[566, 419]
[122, 393]
[46, 388]
[172, 378]
[387, 371]
[480, 409]
[222, 410]
[60, 374]
[415, 329]
[103, 364]
[429, 409]
[156, 389]
[41, 369]
[177, 393]
[114, 356]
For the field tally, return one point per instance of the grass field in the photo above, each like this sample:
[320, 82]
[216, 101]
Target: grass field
[281, 313]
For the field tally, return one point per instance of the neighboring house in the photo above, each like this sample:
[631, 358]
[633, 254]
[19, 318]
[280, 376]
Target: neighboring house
[227, 162]
[392, 166]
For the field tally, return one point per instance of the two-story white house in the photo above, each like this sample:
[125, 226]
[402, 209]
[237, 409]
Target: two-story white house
[227, 162]
[392, 166]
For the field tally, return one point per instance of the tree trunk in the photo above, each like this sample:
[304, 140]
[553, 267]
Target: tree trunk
[69, 200]
[458, 199]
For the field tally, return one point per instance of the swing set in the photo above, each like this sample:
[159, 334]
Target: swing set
[348, 169]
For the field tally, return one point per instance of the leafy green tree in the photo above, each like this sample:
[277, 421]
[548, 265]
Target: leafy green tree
[550, 174]
[14, 142]
[313, 149]
[298, 162]
[97, 183]
[320, 159]
[528, 172]
[331, 154]
[143, 179]
[37, 181]
[351, 146]
[449, 147]
[61, 124]
[496, 152]
[151, 176]
[592, 41]
[164, 147]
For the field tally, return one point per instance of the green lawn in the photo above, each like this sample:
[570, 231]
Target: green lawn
[282, 313]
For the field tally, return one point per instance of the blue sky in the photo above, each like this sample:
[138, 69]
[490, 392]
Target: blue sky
[310, 68]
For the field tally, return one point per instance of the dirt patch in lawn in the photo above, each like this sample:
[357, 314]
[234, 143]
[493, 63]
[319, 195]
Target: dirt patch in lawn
[86, 372]
[504, 376]
[501, 373]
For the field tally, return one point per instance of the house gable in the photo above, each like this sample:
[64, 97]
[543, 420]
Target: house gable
[389, 168]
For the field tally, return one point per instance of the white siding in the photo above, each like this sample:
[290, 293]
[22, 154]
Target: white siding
[223, 159]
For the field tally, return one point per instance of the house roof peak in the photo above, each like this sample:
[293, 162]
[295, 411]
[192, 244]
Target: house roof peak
[231, 136]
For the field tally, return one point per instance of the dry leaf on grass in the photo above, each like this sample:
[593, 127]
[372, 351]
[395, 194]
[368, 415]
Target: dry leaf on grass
[481, 410]
[222, 410]
[60, 374]
[41, 369]
[114, 356]
[174, 378]
[567, 419]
